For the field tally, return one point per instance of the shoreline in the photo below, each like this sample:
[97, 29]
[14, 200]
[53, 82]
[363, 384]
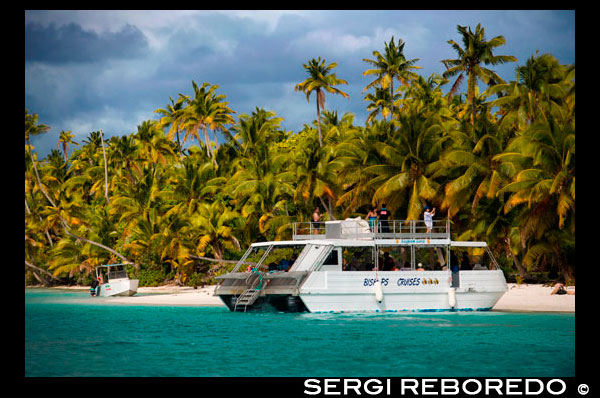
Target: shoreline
[518, 298]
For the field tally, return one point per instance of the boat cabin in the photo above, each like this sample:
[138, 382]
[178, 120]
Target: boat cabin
[111, 272]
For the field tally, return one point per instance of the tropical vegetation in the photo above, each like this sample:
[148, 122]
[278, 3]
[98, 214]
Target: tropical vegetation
[497, 160]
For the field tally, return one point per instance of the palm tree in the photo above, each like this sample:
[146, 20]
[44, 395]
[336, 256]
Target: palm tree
[426, 95]
[543, 162]
[172, 118]
[153, 147]
[402, 179]
[205, 111]
[389, 66]
[354, 154]
[320, 80]
[316, 175]
[121, 154]
[66, 138]
[475, 52]
[381, 103]
[255, 131]
[542, 87]
[214, 226]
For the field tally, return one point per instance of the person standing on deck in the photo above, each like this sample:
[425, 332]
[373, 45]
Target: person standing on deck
[428, 218]
[384, 215]
[316, 218]
[372, 217]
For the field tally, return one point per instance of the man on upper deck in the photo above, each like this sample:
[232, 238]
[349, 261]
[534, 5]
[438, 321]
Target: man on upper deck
[384, 216]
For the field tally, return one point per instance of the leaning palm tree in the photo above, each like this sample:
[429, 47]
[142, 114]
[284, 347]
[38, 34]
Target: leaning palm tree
[320, 80]
[390, 65]
[475, 52]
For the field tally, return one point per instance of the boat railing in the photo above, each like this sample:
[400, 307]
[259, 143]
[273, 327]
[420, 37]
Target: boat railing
[361, 229]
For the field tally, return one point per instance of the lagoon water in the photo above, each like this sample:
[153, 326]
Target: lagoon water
[68, 333]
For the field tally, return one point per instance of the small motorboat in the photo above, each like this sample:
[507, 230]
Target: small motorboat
[116, 282]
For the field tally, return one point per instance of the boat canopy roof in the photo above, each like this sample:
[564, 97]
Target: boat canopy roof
[319, 242]
[455, 243]
[371, 243]
[109, 265]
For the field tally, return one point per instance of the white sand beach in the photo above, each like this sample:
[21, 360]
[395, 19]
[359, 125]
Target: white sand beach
[524, 297]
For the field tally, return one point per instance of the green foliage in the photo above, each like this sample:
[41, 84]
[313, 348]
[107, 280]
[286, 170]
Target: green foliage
[152, 277]
[195, 280]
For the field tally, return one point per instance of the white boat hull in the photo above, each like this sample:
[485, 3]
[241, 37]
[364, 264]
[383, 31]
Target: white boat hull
[402, 291]
[119, 287]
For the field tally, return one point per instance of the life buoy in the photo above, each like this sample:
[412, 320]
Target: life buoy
[378, 291]
[452, 297]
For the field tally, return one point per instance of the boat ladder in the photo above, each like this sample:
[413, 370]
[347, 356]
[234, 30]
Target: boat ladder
[249, 296]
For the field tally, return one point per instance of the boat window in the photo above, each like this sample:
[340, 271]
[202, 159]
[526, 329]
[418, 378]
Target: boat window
[473, 258]
[282, 257]
[431, 258]
[117, 274]
[332, 262]
[358, 258]
[400, 256]
[332, 259]
[253, 257]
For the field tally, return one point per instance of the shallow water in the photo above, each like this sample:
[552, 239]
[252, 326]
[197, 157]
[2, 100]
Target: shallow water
[68, 333]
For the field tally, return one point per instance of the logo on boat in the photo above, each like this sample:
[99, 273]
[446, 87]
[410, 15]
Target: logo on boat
[417, 281]
[408, 281]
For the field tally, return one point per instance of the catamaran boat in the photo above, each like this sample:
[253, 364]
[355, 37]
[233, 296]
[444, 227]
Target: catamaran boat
[116, 283]
[338, 266]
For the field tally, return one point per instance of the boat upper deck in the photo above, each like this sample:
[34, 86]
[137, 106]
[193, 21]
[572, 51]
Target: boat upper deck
[357, 228]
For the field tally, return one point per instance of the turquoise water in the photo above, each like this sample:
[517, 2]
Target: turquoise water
[67, 333]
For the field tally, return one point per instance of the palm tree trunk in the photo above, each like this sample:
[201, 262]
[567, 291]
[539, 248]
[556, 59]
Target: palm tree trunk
[471, 94]
[105, 168]
[100, 245]
[206, 141]
[40, 270]
[37, 176]
[563, 267]
[328, 207]
[392, 98]
[520, 269]
[65, 149]
[178, 143]
[319, 122]
[40, 217]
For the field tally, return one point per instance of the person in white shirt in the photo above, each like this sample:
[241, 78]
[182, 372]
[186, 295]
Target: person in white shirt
[428, 217]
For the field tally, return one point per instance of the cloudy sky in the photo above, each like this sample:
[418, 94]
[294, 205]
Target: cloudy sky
[109, 70]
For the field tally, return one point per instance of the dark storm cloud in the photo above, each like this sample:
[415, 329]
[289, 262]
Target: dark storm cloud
[71, 43]
[111, 69]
